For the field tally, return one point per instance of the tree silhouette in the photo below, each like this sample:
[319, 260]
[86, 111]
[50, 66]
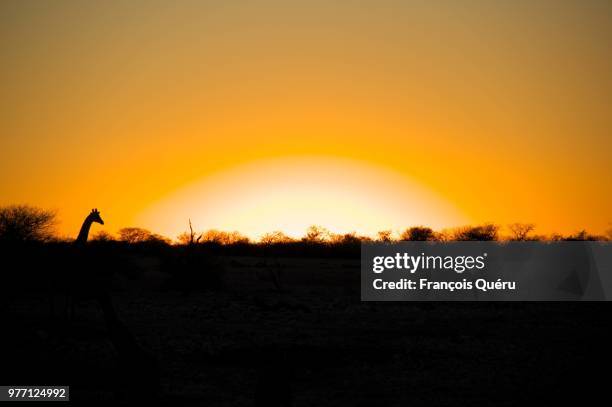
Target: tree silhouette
[23, 223]
[418, 233]
[583, 235]
[316, 234]
[385, 236]
[520, 230]
[139, 235]
[345, 238]
[102, 236]
[223, 238]
[189, 237]
[276, 237]
[486, 232]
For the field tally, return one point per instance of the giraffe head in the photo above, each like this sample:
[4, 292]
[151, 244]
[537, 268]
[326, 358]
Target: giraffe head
[94, 216]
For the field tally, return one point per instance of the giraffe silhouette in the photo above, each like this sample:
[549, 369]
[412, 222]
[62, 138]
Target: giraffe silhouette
[93, 217]
[137, 374]
[84, 277]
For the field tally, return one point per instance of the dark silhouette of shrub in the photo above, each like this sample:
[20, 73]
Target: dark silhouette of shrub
[385, 236]
[418, 233]
[583, 235]
[316, 234]
[102, 236]
[24, 223]
[276, 237]
[486, 232]
[134, 235]
[346, 238]
[521, 231]
[221, 237]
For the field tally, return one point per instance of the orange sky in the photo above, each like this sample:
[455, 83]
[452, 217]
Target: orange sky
[499, 109]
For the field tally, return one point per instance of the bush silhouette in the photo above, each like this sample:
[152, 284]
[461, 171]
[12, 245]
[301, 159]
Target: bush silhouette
[276, 237]
[316, 234]
[102, 236]
[583, 235]
[520, 231]
[24, 223]
[223, 238]
[385, 236]
[135, 235]
[347, 238]
[418, 233]
[486, 232]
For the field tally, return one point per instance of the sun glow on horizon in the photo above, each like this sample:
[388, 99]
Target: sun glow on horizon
[291, 194]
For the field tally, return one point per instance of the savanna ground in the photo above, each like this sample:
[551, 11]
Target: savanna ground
[225, 328]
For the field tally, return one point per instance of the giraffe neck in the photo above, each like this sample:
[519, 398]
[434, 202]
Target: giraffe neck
[84, 232]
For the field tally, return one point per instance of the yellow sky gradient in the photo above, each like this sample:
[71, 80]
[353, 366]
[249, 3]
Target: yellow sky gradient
[499, 109]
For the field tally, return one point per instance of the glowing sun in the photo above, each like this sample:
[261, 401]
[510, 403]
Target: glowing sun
[290, 194]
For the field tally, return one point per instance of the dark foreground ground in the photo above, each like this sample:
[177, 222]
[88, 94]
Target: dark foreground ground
[312, 343]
